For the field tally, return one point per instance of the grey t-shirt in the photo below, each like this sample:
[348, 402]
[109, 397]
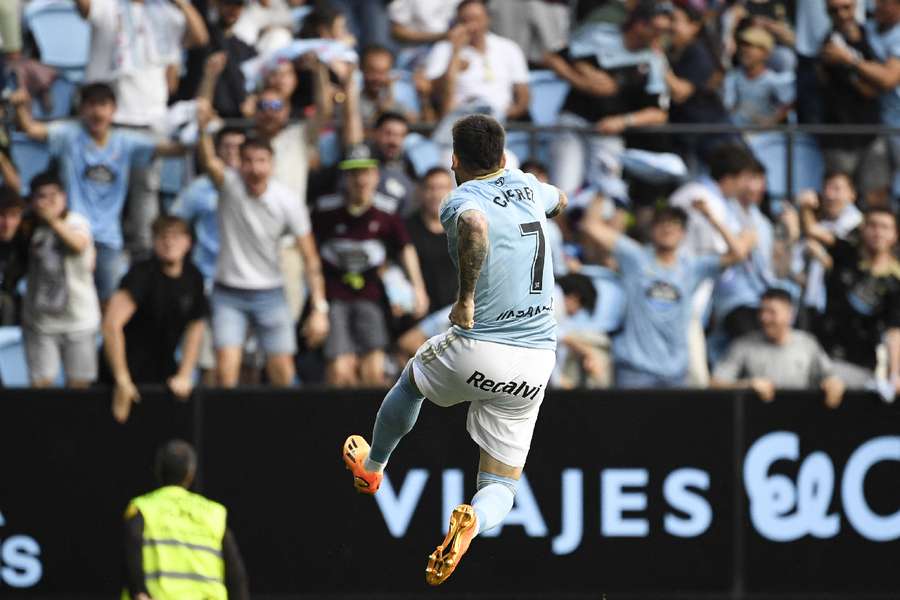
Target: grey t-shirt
[799, 363]
[250, 232]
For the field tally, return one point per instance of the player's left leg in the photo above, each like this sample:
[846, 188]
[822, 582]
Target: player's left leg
[396, 417]
[496, 487]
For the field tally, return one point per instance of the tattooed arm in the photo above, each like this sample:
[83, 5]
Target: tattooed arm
[472, 245]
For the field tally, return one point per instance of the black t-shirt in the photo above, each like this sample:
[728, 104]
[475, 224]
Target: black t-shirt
[843, 103]
[230, 90]
[165, 307]
[861, 306]
[437, 268]
[698, 66]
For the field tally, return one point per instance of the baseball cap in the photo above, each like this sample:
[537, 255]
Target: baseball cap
[759, 37]
[359, 157]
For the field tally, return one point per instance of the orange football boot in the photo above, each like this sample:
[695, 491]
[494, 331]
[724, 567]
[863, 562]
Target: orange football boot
[444, 560]
[356, 449]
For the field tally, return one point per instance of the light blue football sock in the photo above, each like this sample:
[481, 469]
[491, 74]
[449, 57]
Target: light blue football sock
[396, 417]
[494, 499]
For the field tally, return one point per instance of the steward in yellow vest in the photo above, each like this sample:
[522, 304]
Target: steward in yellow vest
[177, 544]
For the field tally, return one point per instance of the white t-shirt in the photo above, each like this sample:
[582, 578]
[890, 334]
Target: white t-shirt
[82, 312]
[291, 160]
[250, 230]
[486, 78]
[428, 16]
[132, 43]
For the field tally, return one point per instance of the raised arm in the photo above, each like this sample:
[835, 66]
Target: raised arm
[353, 132]
[738, 249]
[519, 107]
[21, 102]
[212, 70]
[410, 260]
[212, 164]
[119, 310]
[597, 229]
[809, 204]
[472, 247]
[9, 173]
[195, 34]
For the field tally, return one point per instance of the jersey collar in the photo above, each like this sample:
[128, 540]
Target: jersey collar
[496, 173]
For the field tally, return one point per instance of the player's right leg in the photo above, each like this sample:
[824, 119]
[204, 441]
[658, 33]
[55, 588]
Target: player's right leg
[396, 417]
[496, 485]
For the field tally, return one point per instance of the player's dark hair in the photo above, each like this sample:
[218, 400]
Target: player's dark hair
[225, 131]
[435, 171]
[44, 179]
[580, 286]
[730, 159]
[880, 210]
[165, 222]
[776, 293]
[465, 3]
[388, 116]
[96, 93]
[665, 213]
[478, 142]
[176, 462]
[256, 143]
[835, 173]
[375, 49]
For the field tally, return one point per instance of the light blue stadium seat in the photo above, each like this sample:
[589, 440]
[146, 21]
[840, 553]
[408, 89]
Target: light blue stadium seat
[172, 177]
[771, 150]
[405, 91]
[62, 36]
[62, 94]
[329, 148]
[30, 157]
[13, 369]
[422, 152]
[547, 94]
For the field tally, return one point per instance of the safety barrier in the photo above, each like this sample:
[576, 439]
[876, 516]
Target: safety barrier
[638, 494]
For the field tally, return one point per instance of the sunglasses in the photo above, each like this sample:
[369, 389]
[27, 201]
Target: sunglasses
[269, 105]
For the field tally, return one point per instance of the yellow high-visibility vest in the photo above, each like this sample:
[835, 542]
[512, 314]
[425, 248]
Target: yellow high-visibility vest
[182, 549]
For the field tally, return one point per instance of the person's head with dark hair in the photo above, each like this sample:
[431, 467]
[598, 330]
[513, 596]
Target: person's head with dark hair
[879, 232]
[48, 195]
[436, 183]
[837, 193]
[390, 131]
[326, 22]
[753, 190]
[171, 240]
[776, 314]
[887, 13]
[11, 207]
[376, 64]
[578, 293]
[176, 463]
[473, 15]
[256, 164]
[730, 166]
[228, 145]
[97, 107]
[282, 78]
[667, 228]
[478, 144]
[536, 168]
[273, 112]
[229, 12]
[646, 22]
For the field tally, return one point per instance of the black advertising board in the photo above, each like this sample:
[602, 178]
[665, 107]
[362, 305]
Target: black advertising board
[637, 494]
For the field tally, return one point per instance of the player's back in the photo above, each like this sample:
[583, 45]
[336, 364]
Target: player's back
[514, 293]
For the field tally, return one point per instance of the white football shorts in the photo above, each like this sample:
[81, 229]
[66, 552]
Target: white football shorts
[504, 385]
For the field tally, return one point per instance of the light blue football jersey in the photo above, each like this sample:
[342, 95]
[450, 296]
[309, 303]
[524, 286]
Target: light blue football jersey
[514, 293]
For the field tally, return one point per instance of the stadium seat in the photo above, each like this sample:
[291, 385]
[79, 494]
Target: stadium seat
[172, 177]
[13, 369]
[30, 157]
[771, 150]
[62, 36]
[422, 152]
[548, 92]
[62, 94]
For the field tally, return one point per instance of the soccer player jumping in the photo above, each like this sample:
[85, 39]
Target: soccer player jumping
[500, 350]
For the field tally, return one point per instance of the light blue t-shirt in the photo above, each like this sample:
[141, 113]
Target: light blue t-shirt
[743, 284]
[96, 178]
[654, 338]
[514, 293]
[751, 101]
[886, 45]
[197, 205]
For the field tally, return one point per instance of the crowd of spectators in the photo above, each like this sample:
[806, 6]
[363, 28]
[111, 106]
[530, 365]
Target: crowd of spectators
[304, 245]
